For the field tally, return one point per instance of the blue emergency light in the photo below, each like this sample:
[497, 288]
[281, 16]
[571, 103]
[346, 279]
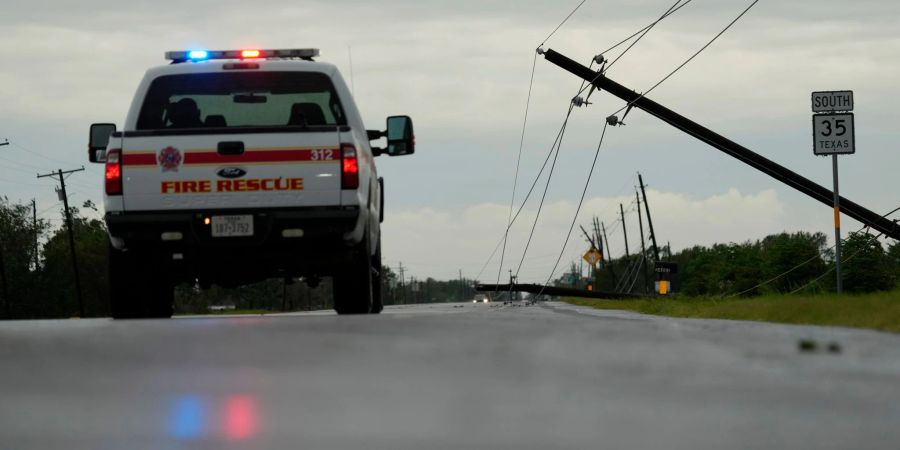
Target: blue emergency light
[198, 54]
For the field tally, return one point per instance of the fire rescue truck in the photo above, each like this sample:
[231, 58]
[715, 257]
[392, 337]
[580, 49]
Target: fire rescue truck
[237, 166]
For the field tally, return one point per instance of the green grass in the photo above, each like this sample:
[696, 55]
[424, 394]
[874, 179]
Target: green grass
[879, 311]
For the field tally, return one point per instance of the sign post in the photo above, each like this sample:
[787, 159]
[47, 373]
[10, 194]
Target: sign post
[833, 134]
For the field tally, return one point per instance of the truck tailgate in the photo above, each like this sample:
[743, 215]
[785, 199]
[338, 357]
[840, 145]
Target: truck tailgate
[226, 171]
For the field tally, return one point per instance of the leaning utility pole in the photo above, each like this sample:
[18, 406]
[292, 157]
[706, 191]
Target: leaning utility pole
[624, 230]
[643, 245]
[612, 270]
[71, 228]
[649, 220]
[599, 81]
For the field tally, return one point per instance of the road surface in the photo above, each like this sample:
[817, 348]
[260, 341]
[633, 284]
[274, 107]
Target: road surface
[445, 377]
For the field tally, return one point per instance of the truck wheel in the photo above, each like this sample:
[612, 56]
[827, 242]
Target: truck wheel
[377, 279]
[121, 279]
[138, 287]
[353, 283]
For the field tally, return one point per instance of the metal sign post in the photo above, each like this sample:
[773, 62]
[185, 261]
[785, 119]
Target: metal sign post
[833, 134]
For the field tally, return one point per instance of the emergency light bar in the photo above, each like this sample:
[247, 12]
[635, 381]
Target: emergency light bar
[202, 55]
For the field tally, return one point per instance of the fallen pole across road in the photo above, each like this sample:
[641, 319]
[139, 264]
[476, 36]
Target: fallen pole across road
[557, 291]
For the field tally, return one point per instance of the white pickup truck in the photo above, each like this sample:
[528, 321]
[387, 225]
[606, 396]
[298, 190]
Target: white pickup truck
[241, 165]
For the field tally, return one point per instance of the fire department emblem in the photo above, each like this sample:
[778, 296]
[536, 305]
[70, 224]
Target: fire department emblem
[170, 159]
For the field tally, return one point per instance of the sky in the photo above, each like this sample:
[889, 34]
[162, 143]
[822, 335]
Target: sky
[462, 70]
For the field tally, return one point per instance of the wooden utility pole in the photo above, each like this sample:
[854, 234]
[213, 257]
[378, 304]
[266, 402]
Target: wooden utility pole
[643, 245]
[624, 230]
[5, 290]
[612, 270]
[402, 288]
[37, 261]
[59, 175]
[649, 220]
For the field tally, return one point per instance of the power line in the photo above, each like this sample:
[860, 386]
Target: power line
[516, 176]
[546, 186]
[644, 32]
[562, 23]
[720, 33]
[652, 24]
[577, 209]
[534, 183]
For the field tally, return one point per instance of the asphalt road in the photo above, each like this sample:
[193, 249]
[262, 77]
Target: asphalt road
[445, 377]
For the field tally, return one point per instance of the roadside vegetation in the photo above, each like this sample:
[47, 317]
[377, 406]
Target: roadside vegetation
[878, 310]
[784, 278]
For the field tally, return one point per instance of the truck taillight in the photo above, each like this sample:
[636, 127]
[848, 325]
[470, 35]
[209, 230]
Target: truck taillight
[349, 167]
[114, 172]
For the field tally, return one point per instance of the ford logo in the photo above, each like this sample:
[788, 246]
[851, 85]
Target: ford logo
[231, 172]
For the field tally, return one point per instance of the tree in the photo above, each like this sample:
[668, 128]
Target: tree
[784, 252]
[91, 245]
[866, 267]
[17, 244]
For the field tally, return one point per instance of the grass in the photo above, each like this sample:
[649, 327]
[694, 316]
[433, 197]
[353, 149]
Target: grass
[878, 311]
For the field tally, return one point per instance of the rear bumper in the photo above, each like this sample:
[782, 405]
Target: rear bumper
[320, 225]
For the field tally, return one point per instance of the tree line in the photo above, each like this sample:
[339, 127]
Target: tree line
[777, 264]
[37, 277]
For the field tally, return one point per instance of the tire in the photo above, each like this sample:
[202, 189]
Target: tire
[353, 283]
[377, 279]
[138, 286]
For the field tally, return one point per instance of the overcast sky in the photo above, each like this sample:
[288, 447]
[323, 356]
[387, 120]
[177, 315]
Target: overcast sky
[461, 70]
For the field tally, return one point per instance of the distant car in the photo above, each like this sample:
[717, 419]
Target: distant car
[481, 298]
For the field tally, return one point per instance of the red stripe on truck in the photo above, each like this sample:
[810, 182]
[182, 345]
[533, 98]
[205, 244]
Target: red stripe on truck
[250, 156]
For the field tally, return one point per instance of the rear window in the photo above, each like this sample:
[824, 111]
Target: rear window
[240, 99]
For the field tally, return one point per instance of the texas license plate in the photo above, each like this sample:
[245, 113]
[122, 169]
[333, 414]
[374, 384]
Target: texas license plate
[232, 226]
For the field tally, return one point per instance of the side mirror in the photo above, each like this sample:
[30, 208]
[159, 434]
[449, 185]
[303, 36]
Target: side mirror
[99, 139]
[400, 137]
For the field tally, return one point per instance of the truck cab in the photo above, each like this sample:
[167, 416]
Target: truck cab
[240, 165]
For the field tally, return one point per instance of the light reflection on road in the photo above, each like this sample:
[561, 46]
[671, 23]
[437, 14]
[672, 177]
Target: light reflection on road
[192, 417]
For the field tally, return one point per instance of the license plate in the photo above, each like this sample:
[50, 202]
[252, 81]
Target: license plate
[232, 226]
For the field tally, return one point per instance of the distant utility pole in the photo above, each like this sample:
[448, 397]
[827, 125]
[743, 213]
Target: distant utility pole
[34, 225]
[649, 220]
[5, 290]
[59, 175]
[624, 230]
[402, 282]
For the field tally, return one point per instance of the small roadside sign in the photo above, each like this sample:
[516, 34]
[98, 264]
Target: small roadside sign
[833, 134]
[592, 257]
[832, 101]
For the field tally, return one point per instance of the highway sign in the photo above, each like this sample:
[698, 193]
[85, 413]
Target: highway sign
[833, 134]
[663, 267]
[593, 256]
[832, 101]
